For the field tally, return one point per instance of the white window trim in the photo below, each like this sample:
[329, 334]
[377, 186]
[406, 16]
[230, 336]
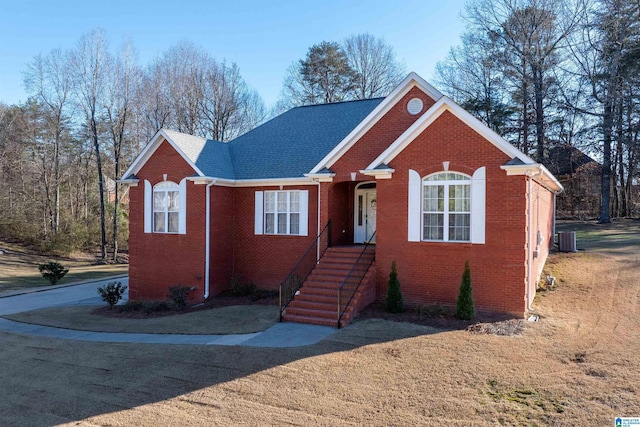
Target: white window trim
[260, 213]
[149, 208]
[478, 208]
[445, 213]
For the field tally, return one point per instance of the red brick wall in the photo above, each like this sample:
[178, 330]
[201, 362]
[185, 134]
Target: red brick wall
[221, 228]
[158, 261]
[264, 259]
[541, 220]
[431, 272]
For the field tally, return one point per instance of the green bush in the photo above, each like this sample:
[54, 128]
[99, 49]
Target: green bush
[179, 295]
[239, 288]
[112, 293]
[53, 271]
[147, 307]
[465, 308]
[394, 295]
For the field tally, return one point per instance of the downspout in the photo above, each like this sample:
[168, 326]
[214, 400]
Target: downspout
[318, 221]
[207, 239]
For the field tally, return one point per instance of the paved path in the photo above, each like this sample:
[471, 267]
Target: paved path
[279, 335]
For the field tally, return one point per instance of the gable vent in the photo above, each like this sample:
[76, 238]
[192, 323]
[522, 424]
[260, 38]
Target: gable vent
[414, 106]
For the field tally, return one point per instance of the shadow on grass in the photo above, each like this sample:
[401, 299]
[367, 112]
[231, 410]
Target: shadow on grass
[49, 381]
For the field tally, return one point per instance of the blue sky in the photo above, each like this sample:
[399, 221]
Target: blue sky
[262, 37]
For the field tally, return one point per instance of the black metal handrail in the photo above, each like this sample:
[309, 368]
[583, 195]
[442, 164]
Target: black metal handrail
[307, 262]
[352, 278]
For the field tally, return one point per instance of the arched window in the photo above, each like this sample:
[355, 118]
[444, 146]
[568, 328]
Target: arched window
[446, 207]
[166, 207]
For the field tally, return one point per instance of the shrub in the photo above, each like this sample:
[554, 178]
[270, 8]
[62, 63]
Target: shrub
[239, 288]
[53, 271]
[465, 308]
[394, 295]
[112, 293]
[179, 295]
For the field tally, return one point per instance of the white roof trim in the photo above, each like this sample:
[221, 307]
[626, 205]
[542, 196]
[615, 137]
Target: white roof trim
[538, 172]
[412, 80]
[269, 182]
[151, 148]
[321, 177]
[446, 104]
[379, 173]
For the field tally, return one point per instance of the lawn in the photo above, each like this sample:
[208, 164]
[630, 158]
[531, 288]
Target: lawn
[578, 365]
[19, 267]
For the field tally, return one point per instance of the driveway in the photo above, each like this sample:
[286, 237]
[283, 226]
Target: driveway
[279, 335]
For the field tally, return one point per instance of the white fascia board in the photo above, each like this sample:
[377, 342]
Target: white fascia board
[129, 182]
[538, 172]
[378, 173]
[320, 177]
[151, 148]
[383, 108]
[272, 182]
[446, 104]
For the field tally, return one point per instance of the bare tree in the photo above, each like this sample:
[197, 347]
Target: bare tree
[375, 65]
[89, 62]
[122, 79]
[47, 79]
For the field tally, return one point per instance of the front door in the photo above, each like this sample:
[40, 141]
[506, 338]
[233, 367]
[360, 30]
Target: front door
[365, 215]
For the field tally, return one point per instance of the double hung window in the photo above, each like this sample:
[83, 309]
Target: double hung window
[446, 207]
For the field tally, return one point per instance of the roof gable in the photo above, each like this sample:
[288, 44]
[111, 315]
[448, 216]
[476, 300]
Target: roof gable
[446, 104]
[411, 81]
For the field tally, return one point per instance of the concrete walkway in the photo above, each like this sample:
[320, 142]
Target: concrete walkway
[279, 335]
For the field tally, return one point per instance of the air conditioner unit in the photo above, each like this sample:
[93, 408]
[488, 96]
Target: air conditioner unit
[567, 241]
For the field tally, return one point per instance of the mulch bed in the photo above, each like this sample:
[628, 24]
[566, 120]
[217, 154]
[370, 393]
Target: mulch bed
[443, 318]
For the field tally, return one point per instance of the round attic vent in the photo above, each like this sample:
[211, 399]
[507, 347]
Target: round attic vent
[414, 106]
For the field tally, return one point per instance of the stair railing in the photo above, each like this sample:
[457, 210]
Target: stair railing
[351, 283]
[307, 262]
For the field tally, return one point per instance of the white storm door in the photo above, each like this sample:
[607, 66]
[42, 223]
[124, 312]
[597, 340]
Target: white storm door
[365, 215]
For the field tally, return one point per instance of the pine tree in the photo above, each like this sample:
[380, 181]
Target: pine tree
[465, 308]
[394, 295]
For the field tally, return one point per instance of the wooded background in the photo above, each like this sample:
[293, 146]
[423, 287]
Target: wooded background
[556, 78]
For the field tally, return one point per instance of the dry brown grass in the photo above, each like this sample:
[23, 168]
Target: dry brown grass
[19, 267]
[220, 321]
[579, 365]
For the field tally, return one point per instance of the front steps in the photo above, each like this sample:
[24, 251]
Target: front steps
[317, 301]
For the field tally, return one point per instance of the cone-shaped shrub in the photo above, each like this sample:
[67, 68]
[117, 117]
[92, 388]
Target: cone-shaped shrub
[394, 295]
[465, 308]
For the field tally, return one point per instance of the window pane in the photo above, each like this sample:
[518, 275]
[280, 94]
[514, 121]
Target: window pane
[433, 227]
[282, 223]
[459, 227]
[282, 201]
[158, 222]
[173, 200]
[269, 201]
[294, 201]
[294, 223]
[433, 198]
[173, 222]
[269, 223]
[459, 198]
[159, 201]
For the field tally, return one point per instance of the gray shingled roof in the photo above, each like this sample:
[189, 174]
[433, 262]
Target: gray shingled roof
[211, 157]
[287, 146]
[291, 144]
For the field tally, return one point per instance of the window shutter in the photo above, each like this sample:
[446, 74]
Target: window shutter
[478, 205]
[148, 206]
[182, 207]
[304, 212]
[258, 212]
[414, 210]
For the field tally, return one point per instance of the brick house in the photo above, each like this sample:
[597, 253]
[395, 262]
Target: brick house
[413, 174]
